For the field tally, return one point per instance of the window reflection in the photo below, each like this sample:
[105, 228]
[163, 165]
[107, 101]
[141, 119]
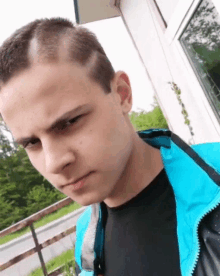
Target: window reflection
[201, 43]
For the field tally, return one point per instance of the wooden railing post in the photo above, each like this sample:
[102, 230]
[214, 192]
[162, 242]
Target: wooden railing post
[38, 247]
[38, 250]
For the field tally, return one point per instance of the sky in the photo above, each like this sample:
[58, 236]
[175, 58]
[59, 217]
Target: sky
[111, 33]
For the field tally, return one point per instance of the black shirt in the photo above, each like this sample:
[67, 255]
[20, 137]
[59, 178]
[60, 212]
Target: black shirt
[141, 235]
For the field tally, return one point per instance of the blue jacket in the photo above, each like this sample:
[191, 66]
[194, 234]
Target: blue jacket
[193, 172]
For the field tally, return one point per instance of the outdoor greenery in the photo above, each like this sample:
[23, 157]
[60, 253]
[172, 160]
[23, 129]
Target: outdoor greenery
[144, 120]
[23, 191]
[65, 258]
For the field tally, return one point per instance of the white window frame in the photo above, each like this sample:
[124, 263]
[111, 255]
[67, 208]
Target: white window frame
[176, 25]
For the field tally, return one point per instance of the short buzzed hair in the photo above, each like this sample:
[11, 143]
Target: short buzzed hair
[49, 36]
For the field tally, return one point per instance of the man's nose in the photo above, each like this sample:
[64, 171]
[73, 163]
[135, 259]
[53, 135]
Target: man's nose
[57, 157]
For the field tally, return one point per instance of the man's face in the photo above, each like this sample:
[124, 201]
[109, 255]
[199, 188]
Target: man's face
[95, 138]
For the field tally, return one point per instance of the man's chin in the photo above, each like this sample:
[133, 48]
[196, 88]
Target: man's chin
[87, 202]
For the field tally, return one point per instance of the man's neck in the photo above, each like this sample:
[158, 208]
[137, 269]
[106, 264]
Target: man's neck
[143, 166]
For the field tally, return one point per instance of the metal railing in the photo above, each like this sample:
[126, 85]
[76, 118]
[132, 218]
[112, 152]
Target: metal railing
[38, 247]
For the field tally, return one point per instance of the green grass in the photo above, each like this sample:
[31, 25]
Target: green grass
[56, 262]
[43, 221]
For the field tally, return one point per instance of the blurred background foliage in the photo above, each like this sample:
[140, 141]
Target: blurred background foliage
[144, 120]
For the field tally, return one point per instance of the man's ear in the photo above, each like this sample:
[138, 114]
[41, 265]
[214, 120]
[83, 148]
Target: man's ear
[122, 88]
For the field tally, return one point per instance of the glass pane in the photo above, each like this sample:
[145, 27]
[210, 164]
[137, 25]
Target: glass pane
[201, 43]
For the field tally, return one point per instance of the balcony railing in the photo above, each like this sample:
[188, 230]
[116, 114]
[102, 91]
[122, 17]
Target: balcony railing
[38, 247]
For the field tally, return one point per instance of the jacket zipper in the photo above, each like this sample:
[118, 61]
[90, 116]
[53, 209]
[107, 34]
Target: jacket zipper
[197, 237]
[100, 256]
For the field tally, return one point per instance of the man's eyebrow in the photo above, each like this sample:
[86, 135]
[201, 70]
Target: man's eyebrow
[62, 119]
[65, 116]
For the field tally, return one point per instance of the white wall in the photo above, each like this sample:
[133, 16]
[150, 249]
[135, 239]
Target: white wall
[163, 66]
[167, 8]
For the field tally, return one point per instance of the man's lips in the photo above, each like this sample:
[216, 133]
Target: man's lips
[74, 182]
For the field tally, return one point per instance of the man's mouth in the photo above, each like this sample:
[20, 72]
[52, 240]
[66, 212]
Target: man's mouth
[78, 183]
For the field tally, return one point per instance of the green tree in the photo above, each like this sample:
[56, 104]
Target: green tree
[145, 120]
[40, 197]
[23, 191]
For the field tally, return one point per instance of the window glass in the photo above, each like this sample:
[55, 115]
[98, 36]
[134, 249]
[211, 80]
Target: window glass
[201, 43]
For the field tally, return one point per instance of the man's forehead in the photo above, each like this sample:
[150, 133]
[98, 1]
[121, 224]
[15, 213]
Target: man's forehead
[24, 117]
[41, 80]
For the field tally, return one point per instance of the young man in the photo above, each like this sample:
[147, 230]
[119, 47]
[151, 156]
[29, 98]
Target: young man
[152, 199]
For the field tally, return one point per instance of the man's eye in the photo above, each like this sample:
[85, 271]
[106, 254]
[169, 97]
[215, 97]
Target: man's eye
[31, 144]
[70, 122]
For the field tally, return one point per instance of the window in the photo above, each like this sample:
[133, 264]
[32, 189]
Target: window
[201, 43]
